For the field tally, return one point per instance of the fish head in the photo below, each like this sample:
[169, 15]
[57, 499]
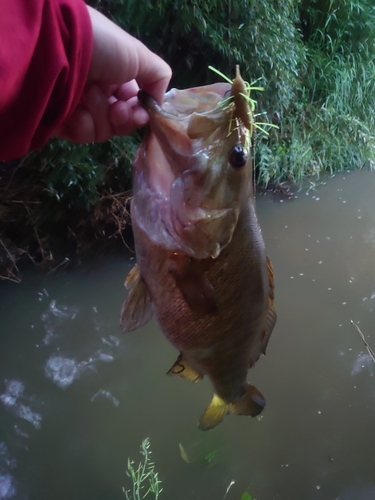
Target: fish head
[195, 166]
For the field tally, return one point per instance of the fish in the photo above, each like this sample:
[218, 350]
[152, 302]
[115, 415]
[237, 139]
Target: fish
[202, 271]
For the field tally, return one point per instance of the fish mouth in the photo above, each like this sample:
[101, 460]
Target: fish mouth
[184, 163]
[206, 104]
[183, 103]
[186, 122]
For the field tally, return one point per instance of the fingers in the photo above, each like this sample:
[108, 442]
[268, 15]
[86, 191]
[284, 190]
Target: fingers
[126, 91]
[153, 75]
[120, 64]
[89, 122]
[97, 104]
[118, 57]
[126, 116]
[79, 127]
[98, 118]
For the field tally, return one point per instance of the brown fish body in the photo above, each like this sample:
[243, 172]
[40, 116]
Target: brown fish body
[222, 334]
[211, 289]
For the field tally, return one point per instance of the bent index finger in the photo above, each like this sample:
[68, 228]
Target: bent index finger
[118, 58]
[153, 75]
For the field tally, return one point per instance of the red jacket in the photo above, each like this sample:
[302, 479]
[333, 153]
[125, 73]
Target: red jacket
[45, 52]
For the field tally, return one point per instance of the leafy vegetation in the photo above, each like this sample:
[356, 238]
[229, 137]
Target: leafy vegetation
[210, 456]
[143, 476]
[314, 58]
[245, 496]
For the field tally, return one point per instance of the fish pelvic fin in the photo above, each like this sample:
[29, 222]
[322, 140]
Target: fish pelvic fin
[214, 414]
[137, 309]
[251, 404]
[184, 370]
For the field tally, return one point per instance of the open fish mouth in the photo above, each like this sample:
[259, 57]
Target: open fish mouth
[193, 162]
[179, 104]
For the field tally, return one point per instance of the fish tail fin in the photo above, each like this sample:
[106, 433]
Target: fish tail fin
[251, 404]
[214, 414]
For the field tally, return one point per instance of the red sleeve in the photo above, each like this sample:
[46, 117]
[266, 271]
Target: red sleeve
[45, 53]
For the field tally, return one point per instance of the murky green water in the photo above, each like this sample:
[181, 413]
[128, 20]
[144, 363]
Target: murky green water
[77, 397]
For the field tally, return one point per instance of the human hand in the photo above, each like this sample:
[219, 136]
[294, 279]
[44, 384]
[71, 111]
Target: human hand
[109, 104]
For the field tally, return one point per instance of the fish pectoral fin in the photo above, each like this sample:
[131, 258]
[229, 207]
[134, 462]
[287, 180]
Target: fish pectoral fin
[132, 277]
[196, 290]
[251, 404]
[137, 309]
[214, 414]
[184, 370]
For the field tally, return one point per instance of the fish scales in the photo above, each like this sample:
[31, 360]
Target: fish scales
[235, 281]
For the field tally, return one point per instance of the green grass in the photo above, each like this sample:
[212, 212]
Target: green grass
[145, 481]
[331, 128]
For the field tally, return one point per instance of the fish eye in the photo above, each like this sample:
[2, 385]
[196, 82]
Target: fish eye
[238, 156]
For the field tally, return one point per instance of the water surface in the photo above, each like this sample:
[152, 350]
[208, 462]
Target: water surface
[77, 397]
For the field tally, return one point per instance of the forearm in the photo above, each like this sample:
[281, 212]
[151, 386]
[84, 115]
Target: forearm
[45, 54]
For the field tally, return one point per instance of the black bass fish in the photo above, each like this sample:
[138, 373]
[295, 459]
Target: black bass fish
[202, 271]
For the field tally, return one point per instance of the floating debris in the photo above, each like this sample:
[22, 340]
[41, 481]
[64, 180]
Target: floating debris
[229, 487]
[369, 350]
[107, 395]
[183, 454]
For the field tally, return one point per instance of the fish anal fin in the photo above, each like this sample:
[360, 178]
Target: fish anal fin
[137, 308]
[214, 414]
[251, 404]
[196, 290]
[184, 370]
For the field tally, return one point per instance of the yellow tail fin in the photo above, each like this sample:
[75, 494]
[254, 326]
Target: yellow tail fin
[251, 404]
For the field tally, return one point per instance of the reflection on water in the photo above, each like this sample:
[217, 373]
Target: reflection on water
[13, 397]
[77, 397]
[7, 485]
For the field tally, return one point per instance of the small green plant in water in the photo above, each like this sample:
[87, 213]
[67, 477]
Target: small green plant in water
[246, 496]
[208, 458]
[143, 477]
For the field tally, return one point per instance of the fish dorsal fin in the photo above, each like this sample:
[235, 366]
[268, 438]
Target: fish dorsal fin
[137, 309]
[184, 370]
[271, 315]
[271, 280]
